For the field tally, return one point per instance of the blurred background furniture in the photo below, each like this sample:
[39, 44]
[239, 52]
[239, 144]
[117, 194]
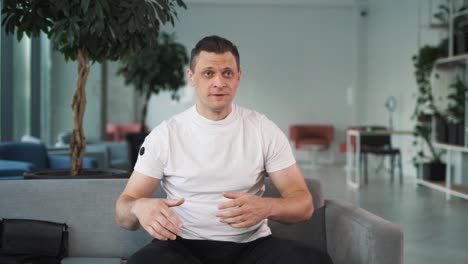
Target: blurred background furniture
[379, 145]
[19, 157]
[131, 133]
[108, 154]
[117, 132]
[361, 141]
[313, 138]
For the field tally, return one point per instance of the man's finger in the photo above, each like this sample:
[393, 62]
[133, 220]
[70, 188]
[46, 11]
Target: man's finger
[161, 229]
[167, 228]
[229, 213]
[154, 233]
[233, 220]
[172, 217]
[174, 202]
[233, 195]
[229, 204]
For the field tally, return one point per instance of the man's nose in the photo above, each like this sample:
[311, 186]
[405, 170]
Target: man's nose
[219, 82]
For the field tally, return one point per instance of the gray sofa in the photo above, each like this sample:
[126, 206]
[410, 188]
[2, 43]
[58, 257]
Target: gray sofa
[349, 234]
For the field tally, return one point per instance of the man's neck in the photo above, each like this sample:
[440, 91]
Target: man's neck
[213, 114]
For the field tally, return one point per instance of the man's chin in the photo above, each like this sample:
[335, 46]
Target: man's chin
[220, 107]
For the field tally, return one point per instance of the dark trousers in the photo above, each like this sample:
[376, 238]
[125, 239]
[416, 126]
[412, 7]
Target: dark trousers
[266, 250]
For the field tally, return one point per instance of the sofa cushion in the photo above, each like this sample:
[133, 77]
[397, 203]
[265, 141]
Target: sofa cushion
[14, 168]
[91, 261]
[23, 151]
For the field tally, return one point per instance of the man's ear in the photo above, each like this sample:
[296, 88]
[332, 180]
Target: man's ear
[240, 73]
[190, 77]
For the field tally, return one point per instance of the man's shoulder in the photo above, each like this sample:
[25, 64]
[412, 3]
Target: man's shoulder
[256, 119]
[249, 114]
[179, 119]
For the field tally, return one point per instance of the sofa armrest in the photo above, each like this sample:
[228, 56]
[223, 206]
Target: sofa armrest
[356, 236]
[63, 162]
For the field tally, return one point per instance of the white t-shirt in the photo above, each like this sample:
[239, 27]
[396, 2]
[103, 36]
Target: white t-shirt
[199, 159]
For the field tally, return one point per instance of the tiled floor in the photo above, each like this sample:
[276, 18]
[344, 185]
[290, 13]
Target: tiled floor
[435, 230]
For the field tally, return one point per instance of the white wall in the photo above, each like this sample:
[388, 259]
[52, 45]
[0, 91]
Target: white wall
[392, 40]
[297, 60]
[122, 100]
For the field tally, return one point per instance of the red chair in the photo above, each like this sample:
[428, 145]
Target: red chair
[313, 138]
[117, 132]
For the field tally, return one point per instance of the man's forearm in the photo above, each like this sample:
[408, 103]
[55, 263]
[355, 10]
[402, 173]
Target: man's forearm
[123, 213]
[294, 208]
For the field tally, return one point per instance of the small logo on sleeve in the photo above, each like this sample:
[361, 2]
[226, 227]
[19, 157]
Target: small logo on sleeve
[142, 151]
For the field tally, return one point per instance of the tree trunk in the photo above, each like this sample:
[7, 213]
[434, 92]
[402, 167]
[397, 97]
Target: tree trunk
[143, 113]
[78, 140]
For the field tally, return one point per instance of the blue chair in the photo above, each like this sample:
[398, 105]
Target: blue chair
[19, 157]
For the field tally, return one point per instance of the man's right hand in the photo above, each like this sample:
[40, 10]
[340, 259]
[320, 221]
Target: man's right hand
[156, 217]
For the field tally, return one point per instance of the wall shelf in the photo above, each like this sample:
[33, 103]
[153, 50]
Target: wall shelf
[448, 187]
[451, 147]
[449, 62]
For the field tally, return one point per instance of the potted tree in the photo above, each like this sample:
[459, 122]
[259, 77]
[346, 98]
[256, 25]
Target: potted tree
[425, 110]
[155, 69]
[89, 30]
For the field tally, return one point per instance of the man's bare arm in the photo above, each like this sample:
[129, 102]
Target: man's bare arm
[138, 186]
[135, 207]
[295, 204]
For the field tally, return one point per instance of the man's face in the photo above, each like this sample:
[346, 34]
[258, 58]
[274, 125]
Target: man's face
[215, 78]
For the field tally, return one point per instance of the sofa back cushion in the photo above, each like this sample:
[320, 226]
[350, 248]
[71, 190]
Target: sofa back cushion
[34, 153]
[87, 207]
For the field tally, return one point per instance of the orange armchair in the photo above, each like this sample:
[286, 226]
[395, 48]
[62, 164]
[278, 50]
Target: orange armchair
[313, 138]
[305, 136]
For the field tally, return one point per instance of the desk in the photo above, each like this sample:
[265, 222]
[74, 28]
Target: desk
[353, 153]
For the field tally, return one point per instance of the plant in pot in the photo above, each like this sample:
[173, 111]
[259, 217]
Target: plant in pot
[89, 30]
[460, 28]
[427, 158]
[153, 70]
[456, 112]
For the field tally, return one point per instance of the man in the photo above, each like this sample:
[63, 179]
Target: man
[212, 160]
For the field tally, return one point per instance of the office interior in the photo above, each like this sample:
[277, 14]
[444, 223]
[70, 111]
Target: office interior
[310, 62]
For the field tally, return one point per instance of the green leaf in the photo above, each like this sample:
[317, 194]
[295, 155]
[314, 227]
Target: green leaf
[181, 4]
[84, 5]
[159, 12]
[19, 35]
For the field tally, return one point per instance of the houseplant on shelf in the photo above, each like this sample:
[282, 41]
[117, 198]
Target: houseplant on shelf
[425, 110]
[456, 112]
[153, 70]
[460, 27]
[89, 30]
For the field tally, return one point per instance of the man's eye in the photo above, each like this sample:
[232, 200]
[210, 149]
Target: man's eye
[228, 73]
[208, 74]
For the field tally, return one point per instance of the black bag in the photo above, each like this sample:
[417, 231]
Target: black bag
[32, 241]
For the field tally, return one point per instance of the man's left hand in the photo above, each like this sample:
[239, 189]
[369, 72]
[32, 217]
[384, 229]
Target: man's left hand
[244, 210]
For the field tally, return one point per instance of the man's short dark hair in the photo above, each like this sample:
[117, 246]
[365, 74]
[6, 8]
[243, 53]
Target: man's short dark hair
[215, 44]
